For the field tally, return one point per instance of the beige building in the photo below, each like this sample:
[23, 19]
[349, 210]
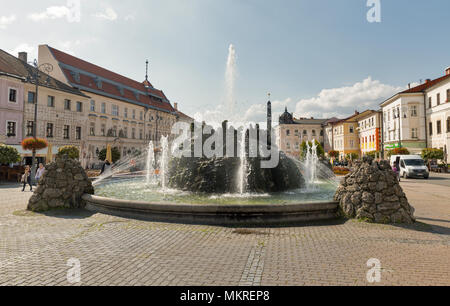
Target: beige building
[345, 136]
[61, 114]
[292, 132]
[120, 111]
[369, 130]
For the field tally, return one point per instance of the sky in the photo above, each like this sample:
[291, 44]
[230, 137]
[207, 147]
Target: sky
[320, 58]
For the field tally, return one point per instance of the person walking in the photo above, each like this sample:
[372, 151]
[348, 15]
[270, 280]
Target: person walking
[26, 178]
[39, 172]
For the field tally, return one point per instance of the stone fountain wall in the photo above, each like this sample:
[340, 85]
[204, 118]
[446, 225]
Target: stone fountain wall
[61, 186]
[372, 192]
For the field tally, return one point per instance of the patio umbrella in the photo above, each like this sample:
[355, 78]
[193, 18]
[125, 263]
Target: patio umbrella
[108, 154]
[49, 157]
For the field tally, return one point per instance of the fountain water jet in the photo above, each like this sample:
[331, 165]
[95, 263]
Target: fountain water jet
[243, 168]
[149, 165]
[311, 164]
[230, 79]
[164, 164]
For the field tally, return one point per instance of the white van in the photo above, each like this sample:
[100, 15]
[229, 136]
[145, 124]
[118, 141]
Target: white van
[411, 166]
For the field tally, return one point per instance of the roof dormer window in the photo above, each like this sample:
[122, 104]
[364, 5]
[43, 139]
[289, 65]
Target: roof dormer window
[76, 76]
[98, 82]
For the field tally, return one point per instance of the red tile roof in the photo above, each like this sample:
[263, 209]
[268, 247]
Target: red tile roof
[426, 85]
[87, 82]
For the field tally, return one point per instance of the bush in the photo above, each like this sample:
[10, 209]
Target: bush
[31, 144]
[373, 154]
[114, 152]
[352, 156]
[303, 148]
[398, 151]
[430, 154]
[70, 151]
[8, 155]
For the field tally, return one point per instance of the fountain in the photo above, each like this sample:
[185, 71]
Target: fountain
[230, 79]
[149, 165]
[311, 165]
[243, 168]
[164, 163]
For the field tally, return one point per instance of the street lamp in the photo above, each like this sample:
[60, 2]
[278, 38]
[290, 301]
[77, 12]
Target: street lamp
[34, 76]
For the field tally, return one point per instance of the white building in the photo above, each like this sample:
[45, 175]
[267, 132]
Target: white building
[418, 118]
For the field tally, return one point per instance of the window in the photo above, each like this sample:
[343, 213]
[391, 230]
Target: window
[305, 132]
[103, 108]
[49, 130]
[51, 101]
[92, 106]
[431, 128]
[134, 114]
[92, 129]
[321, 133]
[66, 132]
[115, 110]
[141, 134]
[414, 133]
[11, 128]
[438, 99]
[126, 112]
[79, 107]
[438, 127]
[352, 143]
[78, 133]
[31, 97]
[12, 95]
[448, 95]
[133, 133]
[67, 104]
[141, 116]
[430, 102]
[296, 132]
[103, 130]
[352, 130]
[314, 132]
[448, 124]
[30, 128]
[288, 132]
[413, 111]
[125, 132]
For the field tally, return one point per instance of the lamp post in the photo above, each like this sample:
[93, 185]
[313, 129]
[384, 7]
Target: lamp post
[34, 76]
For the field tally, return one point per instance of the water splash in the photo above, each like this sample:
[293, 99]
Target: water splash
[243, 169]
[149, 164]
[230, 80]
[311, 163]
[164, 164]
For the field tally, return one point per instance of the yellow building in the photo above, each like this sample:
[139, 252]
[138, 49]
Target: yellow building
[345, 137]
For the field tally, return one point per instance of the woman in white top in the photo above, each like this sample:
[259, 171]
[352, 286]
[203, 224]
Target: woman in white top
[40, 171]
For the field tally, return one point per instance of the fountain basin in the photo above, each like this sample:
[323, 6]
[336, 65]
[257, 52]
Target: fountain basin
[214, 214]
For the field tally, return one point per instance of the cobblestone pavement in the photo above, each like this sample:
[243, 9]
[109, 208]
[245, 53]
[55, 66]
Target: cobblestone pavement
[35, 248]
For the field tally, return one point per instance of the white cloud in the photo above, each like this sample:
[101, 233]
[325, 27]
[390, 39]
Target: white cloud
[53, 12]
[6, 21]
[109, 14]
[343, 101]
[336, 102]
[130, 17]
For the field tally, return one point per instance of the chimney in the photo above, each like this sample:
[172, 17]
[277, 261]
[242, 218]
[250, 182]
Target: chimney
[427, 81]
[23, 56]
[175, 105]
[356, 112]
[447, 71]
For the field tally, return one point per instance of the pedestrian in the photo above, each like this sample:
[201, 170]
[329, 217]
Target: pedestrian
[396, 170]
[26, 178]
[39, 172]
[106, 167]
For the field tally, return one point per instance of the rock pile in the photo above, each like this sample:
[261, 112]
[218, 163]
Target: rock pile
[372, 192]
[61, 186]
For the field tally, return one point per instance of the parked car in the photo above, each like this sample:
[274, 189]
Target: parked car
[411, 166]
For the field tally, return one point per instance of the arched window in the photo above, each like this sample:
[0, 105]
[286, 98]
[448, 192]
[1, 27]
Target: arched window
[448, 124]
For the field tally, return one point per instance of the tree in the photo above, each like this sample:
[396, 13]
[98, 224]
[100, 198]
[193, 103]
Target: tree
[70, 151]
[320, 151]
[8, 155]
[430, 154]
[352, 156]
[114, 152]
[398, 151]
[373, 154]
[333, 154]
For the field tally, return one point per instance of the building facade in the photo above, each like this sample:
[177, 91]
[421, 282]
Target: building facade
[418, 118]
[292, 132]
[11, 106]
[60, 110]
[345, 136]
[121, 112]
[369, 131]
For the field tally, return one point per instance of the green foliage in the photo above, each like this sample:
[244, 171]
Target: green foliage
[8, 155]
[373, 154]
[430, 154]
[114, 152]
[398, 151]
[352, 156]
[70, 151]
[303, 148]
